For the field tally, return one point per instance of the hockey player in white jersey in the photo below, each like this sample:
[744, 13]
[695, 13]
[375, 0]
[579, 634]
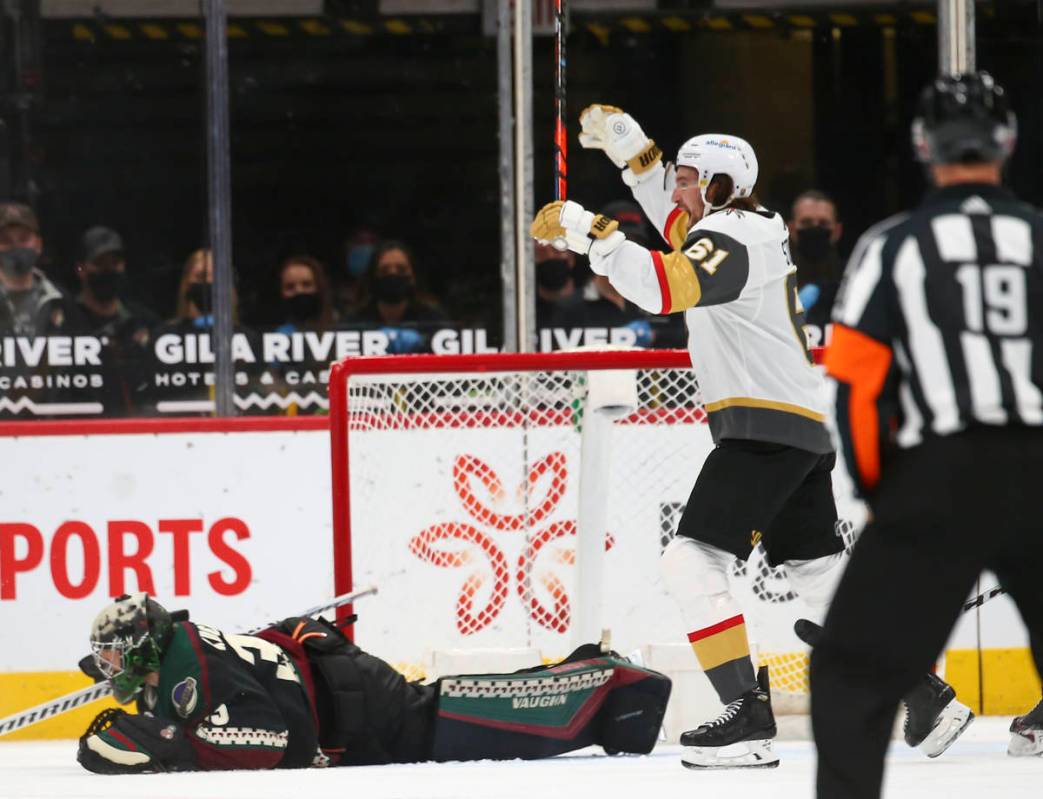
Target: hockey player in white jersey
[768, 479]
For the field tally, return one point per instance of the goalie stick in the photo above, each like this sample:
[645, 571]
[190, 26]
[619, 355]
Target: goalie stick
[92, 693]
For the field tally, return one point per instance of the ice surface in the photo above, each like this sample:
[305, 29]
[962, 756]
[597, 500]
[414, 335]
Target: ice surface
[976, 767]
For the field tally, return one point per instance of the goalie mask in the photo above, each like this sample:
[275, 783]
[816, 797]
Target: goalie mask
[128, 639]
[713, 154]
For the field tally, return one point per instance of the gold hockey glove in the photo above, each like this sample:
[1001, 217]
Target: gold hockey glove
[582, 231]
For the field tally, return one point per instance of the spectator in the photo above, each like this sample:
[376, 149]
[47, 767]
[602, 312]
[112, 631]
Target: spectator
[30, 304]
[814, 234]
[557, 296]
[305, 296]
[194, 299]
[184, 384]
[99, 310]
[305, 305]
[358, 254]
[100, 307]
[394, 303]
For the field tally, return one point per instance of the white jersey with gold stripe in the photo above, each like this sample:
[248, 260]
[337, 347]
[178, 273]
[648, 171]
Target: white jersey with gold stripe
[731, 275]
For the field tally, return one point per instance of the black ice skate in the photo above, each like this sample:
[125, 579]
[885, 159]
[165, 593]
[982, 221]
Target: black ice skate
[739, 738]
[1026, 734]
[934, 719]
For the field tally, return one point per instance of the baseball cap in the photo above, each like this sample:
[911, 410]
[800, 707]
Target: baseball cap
[18, 214]
[98, 241]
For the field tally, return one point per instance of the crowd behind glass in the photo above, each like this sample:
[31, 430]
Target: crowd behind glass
[87, 345]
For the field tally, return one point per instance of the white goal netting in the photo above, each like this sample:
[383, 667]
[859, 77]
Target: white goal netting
[465, 492]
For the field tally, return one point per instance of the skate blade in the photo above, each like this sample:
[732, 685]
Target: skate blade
[952, 721]
[748, 754]
[1026, 744]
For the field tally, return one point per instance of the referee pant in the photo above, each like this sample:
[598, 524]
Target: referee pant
[944, 512]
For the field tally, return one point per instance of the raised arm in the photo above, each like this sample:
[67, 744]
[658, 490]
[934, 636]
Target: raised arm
[711, 270]
[612, 130]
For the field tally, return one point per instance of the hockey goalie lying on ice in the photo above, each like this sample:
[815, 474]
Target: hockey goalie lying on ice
[301, 694]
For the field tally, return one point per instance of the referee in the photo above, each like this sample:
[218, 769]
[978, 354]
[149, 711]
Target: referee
[937, 351]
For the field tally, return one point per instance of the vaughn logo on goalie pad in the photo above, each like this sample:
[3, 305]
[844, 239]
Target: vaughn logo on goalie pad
[538, 701]
[554, 698]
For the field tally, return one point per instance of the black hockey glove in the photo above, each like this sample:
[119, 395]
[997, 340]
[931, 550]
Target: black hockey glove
[90, 667]
[808, 632]
[117, 742]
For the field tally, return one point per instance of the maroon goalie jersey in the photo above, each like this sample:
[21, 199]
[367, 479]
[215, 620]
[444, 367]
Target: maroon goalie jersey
[241, 700]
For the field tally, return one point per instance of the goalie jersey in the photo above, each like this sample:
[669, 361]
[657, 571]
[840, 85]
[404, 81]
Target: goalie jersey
[241, 700]
[732, 276]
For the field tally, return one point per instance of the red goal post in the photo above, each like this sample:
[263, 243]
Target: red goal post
[461, 485]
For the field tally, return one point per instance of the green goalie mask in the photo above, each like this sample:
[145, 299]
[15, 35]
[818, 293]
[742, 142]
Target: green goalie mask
[128, 639]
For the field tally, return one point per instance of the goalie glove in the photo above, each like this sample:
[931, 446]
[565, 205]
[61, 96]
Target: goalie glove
[608, 128]
[117, 742]
[582, 231]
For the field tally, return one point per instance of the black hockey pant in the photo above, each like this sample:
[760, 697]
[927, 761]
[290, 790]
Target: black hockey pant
[944, 512]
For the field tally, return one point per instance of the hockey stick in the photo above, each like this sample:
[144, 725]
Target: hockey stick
[560, 133]
[333, 604]
[982, 598]
[809, 632]
[92, 693]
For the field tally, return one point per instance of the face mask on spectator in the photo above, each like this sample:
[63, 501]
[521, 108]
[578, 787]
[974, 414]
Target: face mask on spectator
[301, 307]
[19, 261]
[392, 288]
[199, 295]
[105, 285]
[813, 242]
[552, 274]
[358, 259]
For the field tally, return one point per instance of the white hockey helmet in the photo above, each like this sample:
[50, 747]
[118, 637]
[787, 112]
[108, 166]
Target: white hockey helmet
[715, 154]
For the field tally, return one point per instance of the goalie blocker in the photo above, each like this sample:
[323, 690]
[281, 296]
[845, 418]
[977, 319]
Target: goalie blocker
[301, 694]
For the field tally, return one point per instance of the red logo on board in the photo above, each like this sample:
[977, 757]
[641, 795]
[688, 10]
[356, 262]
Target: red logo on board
[544, 489]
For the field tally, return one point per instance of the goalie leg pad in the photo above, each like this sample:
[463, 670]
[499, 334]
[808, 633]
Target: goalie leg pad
[547, 711]
[632, 717]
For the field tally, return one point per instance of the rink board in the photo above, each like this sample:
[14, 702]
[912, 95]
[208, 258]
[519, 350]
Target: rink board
[251, 510]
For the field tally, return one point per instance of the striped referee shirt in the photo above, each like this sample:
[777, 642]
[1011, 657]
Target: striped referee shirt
[939, 325]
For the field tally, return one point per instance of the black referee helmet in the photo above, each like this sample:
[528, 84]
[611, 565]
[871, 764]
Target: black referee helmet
[964, 119]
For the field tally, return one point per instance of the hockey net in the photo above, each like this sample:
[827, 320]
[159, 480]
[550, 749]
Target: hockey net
[462, 484]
